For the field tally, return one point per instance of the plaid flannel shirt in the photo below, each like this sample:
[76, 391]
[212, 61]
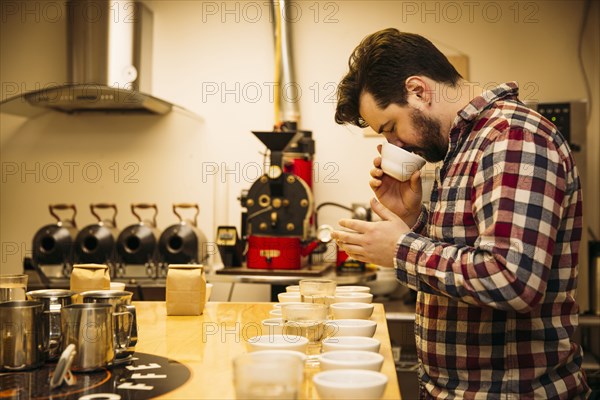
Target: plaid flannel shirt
[494, 259]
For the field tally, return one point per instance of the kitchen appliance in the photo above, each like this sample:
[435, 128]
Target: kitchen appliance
[279, 204]
[110, 63]
[276, 224]
[95, 244]
[52, 250]
[182, 243]
[137, 244]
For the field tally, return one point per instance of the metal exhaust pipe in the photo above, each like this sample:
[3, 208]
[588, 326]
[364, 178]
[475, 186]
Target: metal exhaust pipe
[288, 94]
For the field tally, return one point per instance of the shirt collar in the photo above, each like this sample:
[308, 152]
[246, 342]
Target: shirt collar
[488, 97]
[470, 112]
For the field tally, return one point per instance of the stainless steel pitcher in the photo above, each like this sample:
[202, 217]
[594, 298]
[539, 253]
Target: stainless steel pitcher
[53, 300]
[90, 327]
[23, 343]
[121, 302]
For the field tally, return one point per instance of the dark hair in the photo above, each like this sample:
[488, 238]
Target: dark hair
[380, 65]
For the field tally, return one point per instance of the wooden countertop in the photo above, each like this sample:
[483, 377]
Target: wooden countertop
[208, 343]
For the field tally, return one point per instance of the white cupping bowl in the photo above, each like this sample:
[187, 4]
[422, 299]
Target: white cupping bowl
[346, 289]
[351, 359]
[351, 343]
[350, 384]
[399, 163]
[352, 297]
[288, 297]
[352, 310]
[350, 327]
[292, 288]
[278, 342]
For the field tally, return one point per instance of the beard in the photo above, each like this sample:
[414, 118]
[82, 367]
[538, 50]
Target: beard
[432, 146]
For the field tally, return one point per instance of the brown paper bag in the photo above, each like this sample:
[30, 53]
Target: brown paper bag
[186, 289]
[90, 277]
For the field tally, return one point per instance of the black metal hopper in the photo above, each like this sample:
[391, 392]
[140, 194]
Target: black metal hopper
[277, 140]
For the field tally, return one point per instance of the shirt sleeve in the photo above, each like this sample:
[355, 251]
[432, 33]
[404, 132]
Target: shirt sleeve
[516, 198]
[421, 224]
[420, 228]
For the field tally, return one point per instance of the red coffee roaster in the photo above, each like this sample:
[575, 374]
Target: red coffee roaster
[279, 205]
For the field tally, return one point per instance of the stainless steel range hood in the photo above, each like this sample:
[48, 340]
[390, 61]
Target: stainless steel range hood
[110, 63]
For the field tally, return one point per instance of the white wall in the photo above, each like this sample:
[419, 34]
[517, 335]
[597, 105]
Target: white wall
[228, 46]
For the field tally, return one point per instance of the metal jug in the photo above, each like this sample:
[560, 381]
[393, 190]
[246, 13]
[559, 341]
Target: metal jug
[53, 300]
[90, 327]
[120, 302]
[23, 343]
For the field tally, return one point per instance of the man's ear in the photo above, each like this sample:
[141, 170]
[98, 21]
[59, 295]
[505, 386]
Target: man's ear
[418, 87]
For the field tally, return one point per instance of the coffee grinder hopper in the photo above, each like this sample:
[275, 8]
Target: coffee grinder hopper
[277, 141]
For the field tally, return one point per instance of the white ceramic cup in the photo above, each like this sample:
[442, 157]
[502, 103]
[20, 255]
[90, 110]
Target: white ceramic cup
[289, 297]
[399, 163]
[350, 384]
[351, 343]
[350, 327]
[278, 342]
[352, 310]
[351, 359]
[353, 297]
[352, 289]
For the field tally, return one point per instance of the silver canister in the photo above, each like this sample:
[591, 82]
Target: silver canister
[53, 300]
[90, 327]
[22, 335]
[125, 330]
